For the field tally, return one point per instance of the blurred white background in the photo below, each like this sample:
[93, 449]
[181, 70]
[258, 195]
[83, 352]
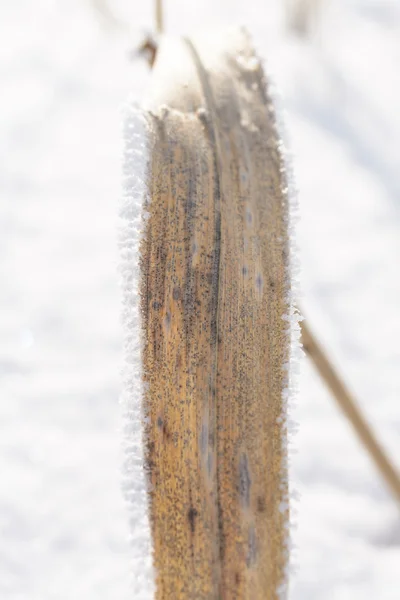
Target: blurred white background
[65, 70]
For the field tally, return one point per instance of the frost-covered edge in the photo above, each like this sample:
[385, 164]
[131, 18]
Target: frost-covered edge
[132, 218]
[293, 318]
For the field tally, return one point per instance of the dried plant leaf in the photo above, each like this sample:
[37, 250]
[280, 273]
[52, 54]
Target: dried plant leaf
[214, 293]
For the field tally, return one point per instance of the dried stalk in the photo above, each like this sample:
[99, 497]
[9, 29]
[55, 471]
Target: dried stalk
[214, 289]
[351, 410]
[159, 16]
[302, 15]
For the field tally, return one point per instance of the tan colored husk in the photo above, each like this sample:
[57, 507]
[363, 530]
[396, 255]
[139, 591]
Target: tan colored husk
[214, 293]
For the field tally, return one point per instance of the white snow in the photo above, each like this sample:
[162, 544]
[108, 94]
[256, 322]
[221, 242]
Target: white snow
[133, 217]
[64, 74]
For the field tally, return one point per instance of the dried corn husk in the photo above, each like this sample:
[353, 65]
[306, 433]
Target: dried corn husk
[214, 293]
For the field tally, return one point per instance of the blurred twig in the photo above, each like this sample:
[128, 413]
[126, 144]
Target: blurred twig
[351, 410]
[302, 15]
[159, 16]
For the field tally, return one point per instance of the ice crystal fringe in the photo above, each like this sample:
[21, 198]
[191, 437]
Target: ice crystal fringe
[293, 318]
[132, 219]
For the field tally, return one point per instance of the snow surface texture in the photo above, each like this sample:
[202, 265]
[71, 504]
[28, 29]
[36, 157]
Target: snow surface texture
[133, 216]
[64, 73]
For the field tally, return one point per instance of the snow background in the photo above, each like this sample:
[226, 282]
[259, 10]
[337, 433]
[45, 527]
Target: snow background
[64, 74]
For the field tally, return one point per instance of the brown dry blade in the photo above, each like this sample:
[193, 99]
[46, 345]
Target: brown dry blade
[214, 288]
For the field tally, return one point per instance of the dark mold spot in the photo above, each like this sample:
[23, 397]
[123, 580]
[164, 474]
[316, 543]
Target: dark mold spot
[221, 531]
[244, 480]
[209, 463]
[161, 425]
[156, 305]
[249, 217]
[166, 433]
[192, 514]
[176, 294]
[149, 464]
[259, 282]
[201, 114]
[252, 547]
[244, 271]
[261, 505]
[167, 319]
[204, 439]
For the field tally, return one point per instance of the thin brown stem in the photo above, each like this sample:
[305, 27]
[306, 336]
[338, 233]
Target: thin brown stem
[351, 410]
[159, 16]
